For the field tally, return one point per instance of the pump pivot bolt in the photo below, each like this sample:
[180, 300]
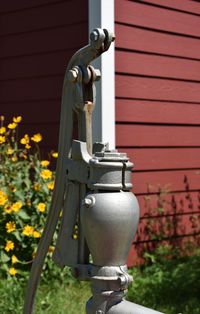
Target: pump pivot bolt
[72, 75]
[97, 74]
[94, 36]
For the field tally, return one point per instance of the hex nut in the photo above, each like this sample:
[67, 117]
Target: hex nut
[94, 36]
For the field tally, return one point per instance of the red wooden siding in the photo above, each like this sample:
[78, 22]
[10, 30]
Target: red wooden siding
[158, 105]
[37, 38]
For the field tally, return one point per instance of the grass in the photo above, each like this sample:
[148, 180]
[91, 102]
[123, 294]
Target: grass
[169, 286]
[54, 298]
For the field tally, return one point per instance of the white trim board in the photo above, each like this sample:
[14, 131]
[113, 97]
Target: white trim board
[101, 15]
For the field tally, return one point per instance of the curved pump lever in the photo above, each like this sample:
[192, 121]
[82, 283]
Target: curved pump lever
[78, 91]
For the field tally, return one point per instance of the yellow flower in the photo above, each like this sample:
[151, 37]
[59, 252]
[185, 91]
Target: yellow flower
[41, 207]
[8, 209]
[2, 130]
[36, 138]
[14, 158]
[3, 198]
[46, 174]
[37, 187]
[50, 185]
[25, 140]
[12, 271]
[2, 139]
[12, 188]
[10, 151]
[51, 249]
[16, 206]
[14, 259]
[10, 226]
[45, 163]
[55, 155]
[12, 125]
[36, 234]
[2, 118]
[75, 236]
[28, 230]
[28, 202]
[17, 119]
[9, 246]
[27, 146]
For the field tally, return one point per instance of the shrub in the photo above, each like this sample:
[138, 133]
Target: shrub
[26, 185]
[169, 285]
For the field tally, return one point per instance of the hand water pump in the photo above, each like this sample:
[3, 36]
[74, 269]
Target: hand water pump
[92, 189]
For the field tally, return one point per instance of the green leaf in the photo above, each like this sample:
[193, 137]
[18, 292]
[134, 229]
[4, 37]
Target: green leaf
[17, 235]
[4, 257]
[22, 214]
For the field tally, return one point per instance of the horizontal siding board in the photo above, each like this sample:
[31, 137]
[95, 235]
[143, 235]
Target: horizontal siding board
[13, 5]
[157, 112]
[156, 18]
[47, 64]
[158, 108]
[160, 66]
[155, 42]
[155, 88]
[60, 38]
[163, 158]
[174, 180]
[185, 5]
[33, 112]
[31, 89]
[169, 226]
[157, 135]
[49, 132]
[187, 202]
[48, 16]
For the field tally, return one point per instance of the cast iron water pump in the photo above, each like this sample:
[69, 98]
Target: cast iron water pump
[92, 189]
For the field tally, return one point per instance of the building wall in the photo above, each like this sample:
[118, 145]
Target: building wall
[157, 91]
[158, 107]
[37, 38]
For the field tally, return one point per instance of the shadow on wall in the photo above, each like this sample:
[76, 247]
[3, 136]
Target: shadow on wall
[169, 219]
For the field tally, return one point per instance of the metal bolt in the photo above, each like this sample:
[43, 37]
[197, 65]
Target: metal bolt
[94, 36]
[72, 75]
[89, 201]
[97, 74]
